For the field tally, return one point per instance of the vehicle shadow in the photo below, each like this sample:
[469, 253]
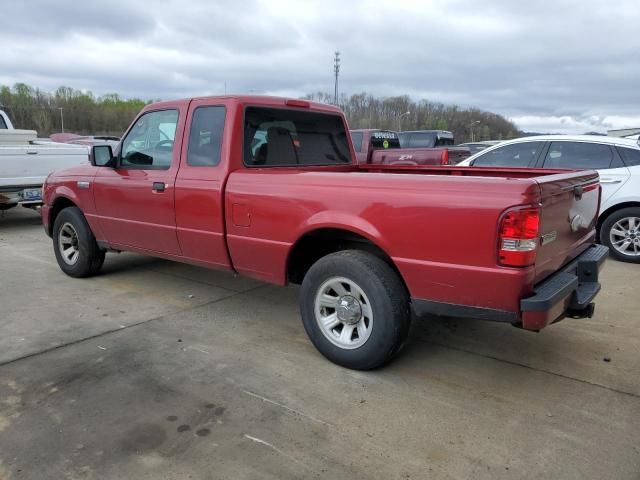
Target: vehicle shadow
[19, 217]
[568, 349]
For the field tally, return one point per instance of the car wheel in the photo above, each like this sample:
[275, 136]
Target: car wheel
[621, 233]
[355, 309]
[76, 250]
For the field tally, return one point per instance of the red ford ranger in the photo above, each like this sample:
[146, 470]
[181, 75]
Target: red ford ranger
[270, 188]
[384, 147]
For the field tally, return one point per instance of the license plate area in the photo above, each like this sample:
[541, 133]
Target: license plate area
[32, 195]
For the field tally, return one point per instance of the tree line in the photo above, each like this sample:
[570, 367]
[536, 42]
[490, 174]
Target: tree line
[363, 110]
[34, 109]
[83, 113]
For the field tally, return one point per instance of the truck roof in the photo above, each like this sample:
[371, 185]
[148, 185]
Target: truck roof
[261, 100]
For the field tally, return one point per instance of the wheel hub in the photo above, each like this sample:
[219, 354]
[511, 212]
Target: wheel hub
[349, 310]
[625, 236]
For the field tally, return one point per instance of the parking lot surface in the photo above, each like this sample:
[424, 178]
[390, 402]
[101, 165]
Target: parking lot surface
[159, 370]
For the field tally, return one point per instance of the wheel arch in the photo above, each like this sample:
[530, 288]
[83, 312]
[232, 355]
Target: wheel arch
[58, 205]
[612, 209]
[323, 240]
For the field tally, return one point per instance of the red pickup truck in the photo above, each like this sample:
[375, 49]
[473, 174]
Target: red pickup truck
[270, 188]
[384, 147]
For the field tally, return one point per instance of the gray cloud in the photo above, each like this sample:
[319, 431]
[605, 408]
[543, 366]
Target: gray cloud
[561, 66]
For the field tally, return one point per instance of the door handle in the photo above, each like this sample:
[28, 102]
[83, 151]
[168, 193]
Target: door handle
[159, 186]
[610, 180]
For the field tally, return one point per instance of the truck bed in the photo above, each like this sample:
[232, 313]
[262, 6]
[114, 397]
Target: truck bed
[28, 165]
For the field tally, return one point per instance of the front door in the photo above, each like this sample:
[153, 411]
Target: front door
[135, 200]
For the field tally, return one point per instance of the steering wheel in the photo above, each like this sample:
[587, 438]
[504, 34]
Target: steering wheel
[163, 145]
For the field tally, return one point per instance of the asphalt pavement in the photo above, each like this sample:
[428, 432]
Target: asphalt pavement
[157, 370]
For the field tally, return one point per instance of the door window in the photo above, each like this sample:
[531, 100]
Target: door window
[630, 156]
[578, 155]
[205, 136]
[514, 155]
[149, 144]
[356, 138]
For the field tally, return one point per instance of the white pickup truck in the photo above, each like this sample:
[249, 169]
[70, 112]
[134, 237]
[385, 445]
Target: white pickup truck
[25, 162]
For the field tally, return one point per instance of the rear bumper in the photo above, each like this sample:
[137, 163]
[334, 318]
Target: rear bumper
[568, 292]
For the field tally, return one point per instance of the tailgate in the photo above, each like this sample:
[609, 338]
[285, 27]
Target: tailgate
[570, 203]
[457, 154]
[408, 156]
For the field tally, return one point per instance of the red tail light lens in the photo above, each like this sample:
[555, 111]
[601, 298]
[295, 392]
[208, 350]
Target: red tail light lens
[444, 159]
[518, 237]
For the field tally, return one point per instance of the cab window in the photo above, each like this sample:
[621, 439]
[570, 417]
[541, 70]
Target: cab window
[205, 136]
[149, 144]
[286, 137]
[514, 155]
[578, 155]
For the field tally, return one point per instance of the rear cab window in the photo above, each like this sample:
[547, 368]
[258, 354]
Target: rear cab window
[3, 125]
[422, 140]
[514, 155]
[578, 155]
[279, 137]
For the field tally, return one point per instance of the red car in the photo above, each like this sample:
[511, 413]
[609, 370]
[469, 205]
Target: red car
[270, 188]
[384, 147]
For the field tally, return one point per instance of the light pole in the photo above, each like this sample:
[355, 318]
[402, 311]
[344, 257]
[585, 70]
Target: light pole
[471, 127]
[400, 120]
[61, 119]
[336, 72]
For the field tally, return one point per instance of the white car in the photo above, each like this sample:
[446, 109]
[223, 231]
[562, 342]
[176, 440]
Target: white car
[617, 160]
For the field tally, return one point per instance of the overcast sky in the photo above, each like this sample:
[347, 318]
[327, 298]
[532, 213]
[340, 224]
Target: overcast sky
[561, 66]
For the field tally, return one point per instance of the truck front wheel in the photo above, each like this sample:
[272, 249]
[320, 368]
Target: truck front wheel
[355, 309]
[76, 250]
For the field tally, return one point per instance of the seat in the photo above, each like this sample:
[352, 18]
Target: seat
[280, 148]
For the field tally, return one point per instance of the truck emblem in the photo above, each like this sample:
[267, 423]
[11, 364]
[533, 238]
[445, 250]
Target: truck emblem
[548, 237]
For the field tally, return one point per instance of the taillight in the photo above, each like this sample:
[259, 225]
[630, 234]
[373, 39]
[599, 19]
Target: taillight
[518, 237]
[444, 159]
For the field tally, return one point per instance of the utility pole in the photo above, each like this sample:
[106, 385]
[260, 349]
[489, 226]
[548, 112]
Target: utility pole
[61, 119]
[336, 71]
[400, 120]
[471, 128]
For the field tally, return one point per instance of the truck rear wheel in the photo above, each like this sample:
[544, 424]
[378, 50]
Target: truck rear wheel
[355, 309]
[621, 233]
[76, 250]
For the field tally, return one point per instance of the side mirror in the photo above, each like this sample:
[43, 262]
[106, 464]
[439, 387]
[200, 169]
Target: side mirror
[101, 156]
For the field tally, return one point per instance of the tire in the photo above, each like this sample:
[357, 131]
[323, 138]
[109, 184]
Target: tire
[619, 227]
[361, 293]
[76, 250]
